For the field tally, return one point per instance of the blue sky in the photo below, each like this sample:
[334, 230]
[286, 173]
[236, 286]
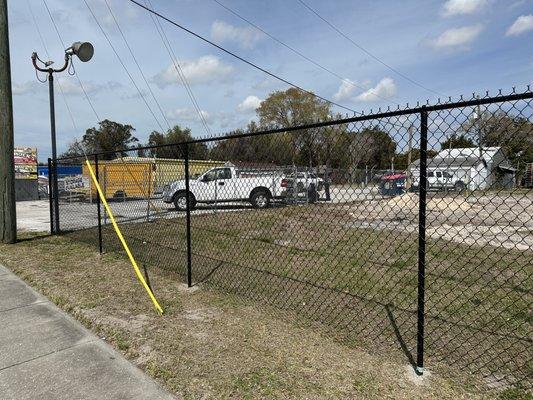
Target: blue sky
[452, 47]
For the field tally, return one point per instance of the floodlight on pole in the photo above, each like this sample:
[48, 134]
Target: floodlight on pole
[84, 51]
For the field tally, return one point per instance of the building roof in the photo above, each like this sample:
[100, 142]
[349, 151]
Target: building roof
[488, 153]
[449, 162]
[461, 157]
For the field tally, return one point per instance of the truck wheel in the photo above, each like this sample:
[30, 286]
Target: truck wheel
[260, 199]
[180, 201]
[119, 194]
[459, 186]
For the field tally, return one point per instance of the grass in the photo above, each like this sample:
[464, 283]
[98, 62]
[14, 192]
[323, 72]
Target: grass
[362, 282]
[210, 345]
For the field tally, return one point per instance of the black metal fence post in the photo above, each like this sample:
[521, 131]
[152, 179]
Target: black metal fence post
[98, 205]
[422, 241]
[55, 190]
[50, 194]
[188, 215]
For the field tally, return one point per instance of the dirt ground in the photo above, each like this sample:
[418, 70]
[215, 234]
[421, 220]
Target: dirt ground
[495, 219]
[353, 266]
[209, 345]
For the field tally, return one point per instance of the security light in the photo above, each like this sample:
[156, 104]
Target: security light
[84, 50]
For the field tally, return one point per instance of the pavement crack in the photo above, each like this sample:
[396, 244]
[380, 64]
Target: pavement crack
[50, 353]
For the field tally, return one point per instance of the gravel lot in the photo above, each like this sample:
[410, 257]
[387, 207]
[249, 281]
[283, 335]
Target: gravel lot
[502, 220]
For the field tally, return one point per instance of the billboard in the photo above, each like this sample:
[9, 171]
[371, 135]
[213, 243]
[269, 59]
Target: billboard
[25, 163]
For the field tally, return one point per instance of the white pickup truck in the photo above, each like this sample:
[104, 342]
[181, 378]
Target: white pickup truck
[229, 184]
[440, 180]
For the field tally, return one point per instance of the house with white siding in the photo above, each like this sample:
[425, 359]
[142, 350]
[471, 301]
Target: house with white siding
[471, 167]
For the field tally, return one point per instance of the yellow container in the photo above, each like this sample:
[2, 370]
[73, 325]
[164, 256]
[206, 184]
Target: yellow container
[142, 176]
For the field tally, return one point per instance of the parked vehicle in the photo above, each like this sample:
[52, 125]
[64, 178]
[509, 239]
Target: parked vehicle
[392, 184]
[229, 184]
[440, 180]
[305, 187]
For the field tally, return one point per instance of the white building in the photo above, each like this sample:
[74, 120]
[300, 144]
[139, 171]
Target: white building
[476, 168]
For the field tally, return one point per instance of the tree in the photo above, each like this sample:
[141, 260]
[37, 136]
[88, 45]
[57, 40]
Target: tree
[372, 147]
[501, 129]
[290, 108]
[175, 135]
[456, 141]
[110, 136]
[262, 149]
[75, 152]
[400, 160]
[294, 107]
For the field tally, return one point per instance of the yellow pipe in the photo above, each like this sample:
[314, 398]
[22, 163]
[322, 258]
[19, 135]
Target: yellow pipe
[124, 244]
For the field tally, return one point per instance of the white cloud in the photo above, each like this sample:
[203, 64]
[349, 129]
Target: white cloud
[187, 114]
[246, 37]
[457, 37]
[249, 104]
[459, 7]
[345, 90]
[68, 86]
[202, 70]
[26, 87]
[522, 24]
[385, 89]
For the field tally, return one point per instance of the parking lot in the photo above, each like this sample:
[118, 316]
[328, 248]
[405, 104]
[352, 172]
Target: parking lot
[479, 219]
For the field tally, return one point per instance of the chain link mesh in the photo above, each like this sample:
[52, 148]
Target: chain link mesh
[323, 222]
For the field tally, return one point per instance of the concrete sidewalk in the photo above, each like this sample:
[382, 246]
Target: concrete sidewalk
[45, 354]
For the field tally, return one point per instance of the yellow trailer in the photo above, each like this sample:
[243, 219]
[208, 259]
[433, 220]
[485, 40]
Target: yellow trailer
[121, 180]
[167, 170]
[143, 176]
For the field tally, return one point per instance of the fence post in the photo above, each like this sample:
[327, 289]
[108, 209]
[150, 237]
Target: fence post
[188, 215]
[98, 207]
[422, 241]
[55, 188]
[50, 194]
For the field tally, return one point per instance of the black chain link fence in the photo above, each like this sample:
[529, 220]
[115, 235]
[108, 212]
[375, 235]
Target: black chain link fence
[409, 231]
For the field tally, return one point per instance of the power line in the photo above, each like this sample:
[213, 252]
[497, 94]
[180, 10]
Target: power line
[48, 55]
[368, 52]
[77, 77]
[299, 53]
[137, 63]
[123, 65]
[237, 56]
[179, 71]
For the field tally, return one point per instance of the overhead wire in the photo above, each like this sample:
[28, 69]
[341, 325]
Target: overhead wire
[45, 47]
[123, 65]
[179, 70]
[240, 58]
[297, 52]
[353, 42]
[77, 77]
[136, 63]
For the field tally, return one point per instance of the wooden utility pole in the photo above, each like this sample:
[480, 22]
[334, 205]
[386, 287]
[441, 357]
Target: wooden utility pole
[8, 220]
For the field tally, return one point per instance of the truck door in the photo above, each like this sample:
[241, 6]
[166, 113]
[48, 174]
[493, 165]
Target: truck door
[224, 184]
[432, 180]
[205, 189]
[439, 179]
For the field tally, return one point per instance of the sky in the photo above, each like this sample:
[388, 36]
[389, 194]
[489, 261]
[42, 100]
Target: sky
[447, 47]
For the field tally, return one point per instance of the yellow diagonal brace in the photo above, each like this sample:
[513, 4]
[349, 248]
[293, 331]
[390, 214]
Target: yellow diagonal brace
[122, 240]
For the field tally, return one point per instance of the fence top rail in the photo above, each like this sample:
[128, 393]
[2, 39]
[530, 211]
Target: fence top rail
[475, 101]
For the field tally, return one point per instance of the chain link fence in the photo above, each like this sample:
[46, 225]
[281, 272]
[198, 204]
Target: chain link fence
[408, 231]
